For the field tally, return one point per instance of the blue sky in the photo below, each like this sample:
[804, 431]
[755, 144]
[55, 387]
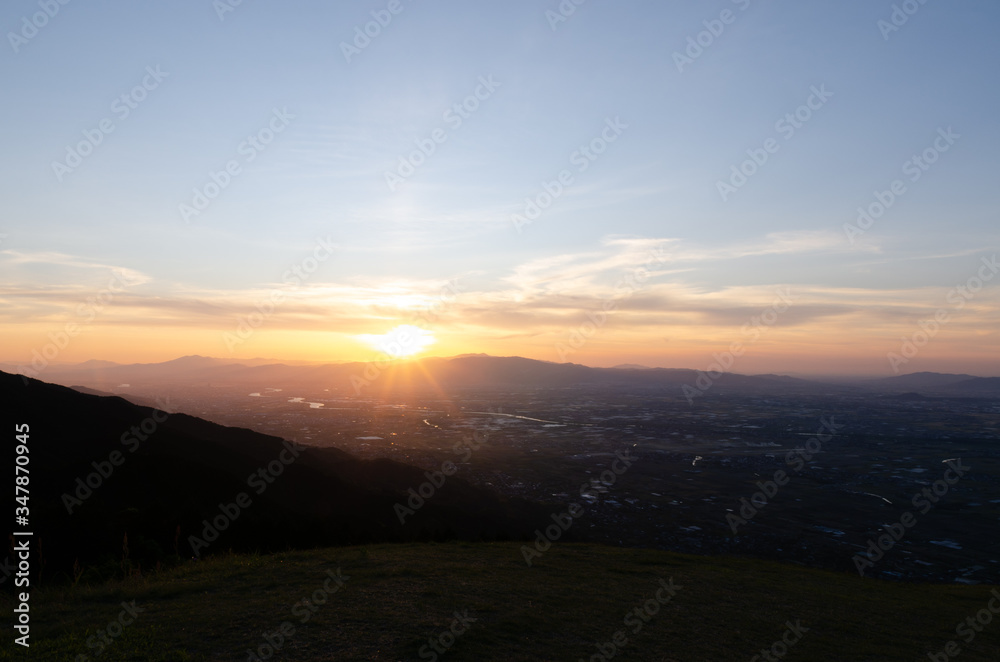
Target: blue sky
[554, 90]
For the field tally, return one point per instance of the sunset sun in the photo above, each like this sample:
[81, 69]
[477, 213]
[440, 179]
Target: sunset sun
[403, 341]
[681, 319]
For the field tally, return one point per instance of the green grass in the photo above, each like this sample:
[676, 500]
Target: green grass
[574, 597]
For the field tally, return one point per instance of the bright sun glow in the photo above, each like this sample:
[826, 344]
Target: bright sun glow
[404, 340]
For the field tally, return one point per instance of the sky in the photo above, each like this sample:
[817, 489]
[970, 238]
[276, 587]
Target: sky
[798, 188]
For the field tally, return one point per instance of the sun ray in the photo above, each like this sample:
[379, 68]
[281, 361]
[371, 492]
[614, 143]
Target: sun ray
[403, 341]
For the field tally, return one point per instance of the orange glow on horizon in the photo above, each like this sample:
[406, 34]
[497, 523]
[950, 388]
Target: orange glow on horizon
[826, 347]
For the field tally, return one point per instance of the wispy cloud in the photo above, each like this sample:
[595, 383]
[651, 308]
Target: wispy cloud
[536, 299]
[13, 259]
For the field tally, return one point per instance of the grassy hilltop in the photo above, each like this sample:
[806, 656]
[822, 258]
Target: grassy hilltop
[388, 601]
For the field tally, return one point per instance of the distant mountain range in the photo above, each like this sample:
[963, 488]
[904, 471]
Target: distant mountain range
[485, 372]
[924, 380]
[102, 468]
[934, 382]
